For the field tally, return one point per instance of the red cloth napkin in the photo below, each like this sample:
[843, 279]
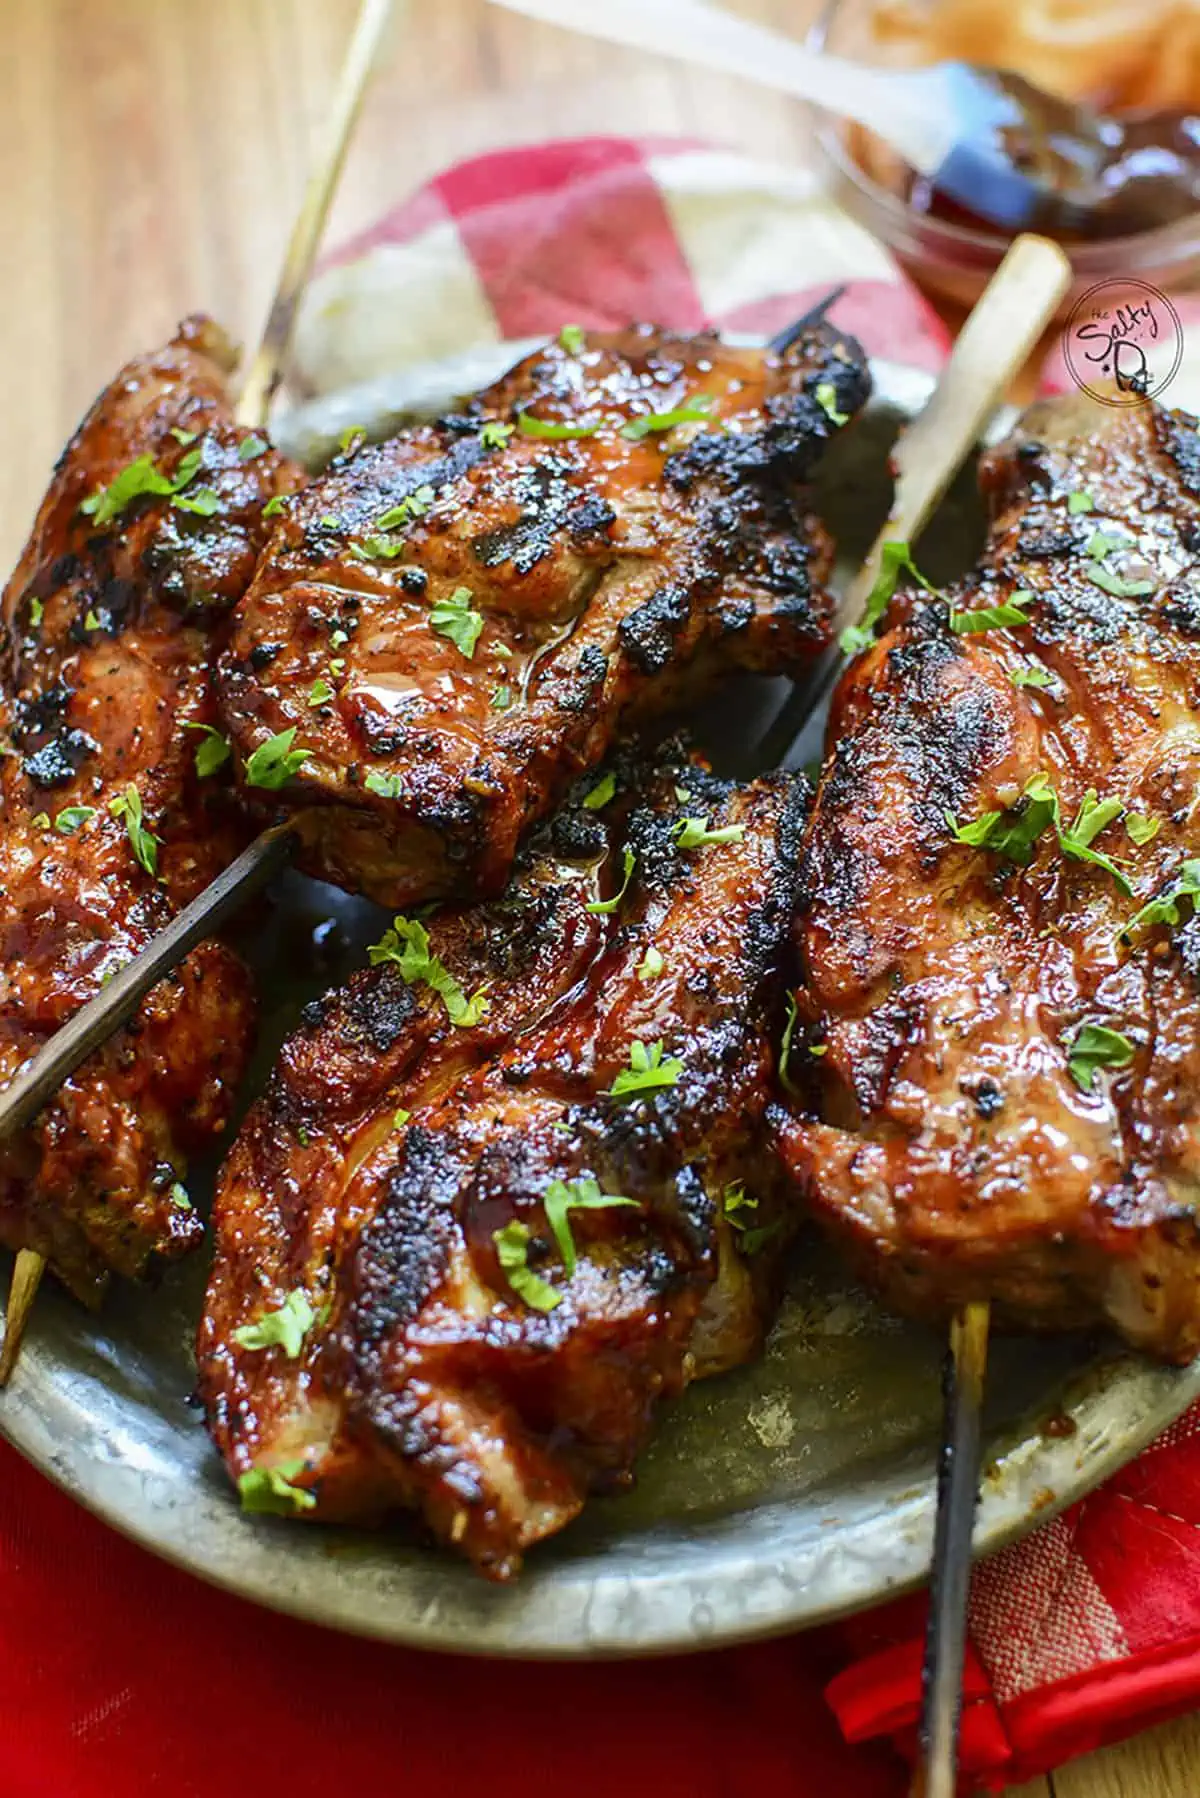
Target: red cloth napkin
[120, 1676]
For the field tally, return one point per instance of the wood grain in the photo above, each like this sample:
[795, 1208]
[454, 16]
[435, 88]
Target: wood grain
[152, 154]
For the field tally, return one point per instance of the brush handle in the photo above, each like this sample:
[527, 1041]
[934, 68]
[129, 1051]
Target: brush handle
[913, 110]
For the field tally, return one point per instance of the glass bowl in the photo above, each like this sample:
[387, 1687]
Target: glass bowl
[953, 260]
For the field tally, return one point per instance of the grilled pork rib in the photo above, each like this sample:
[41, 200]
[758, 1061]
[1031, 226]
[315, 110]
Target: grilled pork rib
[392, 1192]
[108, 628]
[456, 623]
[1010, 1082]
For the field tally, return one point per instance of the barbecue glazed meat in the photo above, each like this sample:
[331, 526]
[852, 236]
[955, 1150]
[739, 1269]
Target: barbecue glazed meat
[1010, 1082]
[109, 623]
[397, 1156]
[458, 622]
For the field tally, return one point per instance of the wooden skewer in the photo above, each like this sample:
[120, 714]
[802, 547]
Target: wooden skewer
[27, 1277]
[96, 1021]
[266, 370]
[1018, 303]
[950, 1579]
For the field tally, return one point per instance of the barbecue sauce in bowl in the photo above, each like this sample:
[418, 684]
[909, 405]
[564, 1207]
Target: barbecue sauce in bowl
[1148, 177]
[1140, 66]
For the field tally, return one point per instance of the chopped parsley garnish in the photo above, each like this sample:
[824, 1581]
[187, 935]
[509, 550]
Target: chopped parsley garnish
[377, 549]
[1093, 816]
[41, 821]
[751, 1237]
[178, 1196]
[337, 666]
[37, 612]
[128, 805]
[285, 1328]
[387, 786]
[512, 1252]
[213, 753]
[501, 699]
[785, 1045]
[351, 439]
[91, 622]
[407, 945]
[893, 558]
[601, 793]
[572, 339]
[651, 964]
[203, 502]
[545, 427]
[457, 619]
[693, 833]
[1104, 578]
[1031, 676]
[734, 1202]
[1185, 888]
[1096, 1046]
[495, 435]
[384, 545]
[695, 412]
[269, 1490]
[414, 506]
[275, 505]
[337, 638]
[320, 693]
[1013, 833]
[137, 480]
[274, 762]
[564, 1196]
[647, 1071]
[400, 1118]
[68, 821]
[990, 618]
[1080, 502]
[826, 398]
[252, 447]
[1140, 828]
[184, 437]
[600, 908]
[1103, 543]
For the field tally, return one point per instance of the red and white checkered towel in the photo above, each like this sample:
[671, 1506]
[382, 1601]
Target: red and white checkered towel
[120, 1676]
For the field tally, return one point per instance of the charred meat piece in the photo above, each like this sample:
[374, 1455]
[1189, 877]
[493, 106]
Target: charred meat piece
[999, 936]
[455, 624]
[146, 538]
[507, 1189]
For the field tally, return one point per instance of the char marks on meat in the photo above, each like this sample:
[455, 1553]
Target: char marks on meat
[606, 575]
[1006, 1105]
[106, 638]
[395, 1154]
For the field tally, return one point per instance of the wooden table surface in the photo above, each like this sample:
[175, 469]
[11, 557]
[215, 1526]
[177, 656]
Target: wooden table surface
[153, 154]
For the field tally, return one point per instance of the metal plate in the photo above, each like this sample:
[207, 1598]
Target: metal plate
[774, 1498]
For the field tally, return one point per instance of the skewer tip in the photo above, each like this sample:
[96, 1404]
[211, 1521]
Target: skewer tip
[27, 1276]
